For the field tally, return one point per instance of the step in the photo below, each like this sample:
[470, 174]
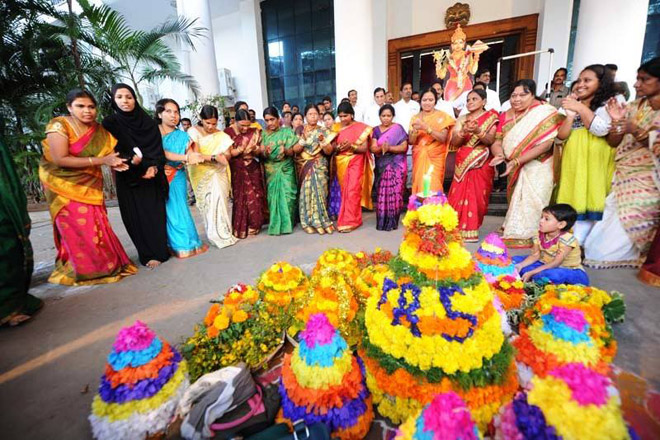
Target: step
[497, 209]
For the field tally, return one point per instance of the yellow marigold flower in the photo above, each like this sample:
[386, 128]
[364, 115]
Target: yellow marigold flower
[221, 322]
[239, 316]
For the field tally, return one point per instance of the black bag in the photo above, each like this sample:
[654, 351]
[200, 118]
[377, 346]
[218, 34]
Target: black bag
[318, 431]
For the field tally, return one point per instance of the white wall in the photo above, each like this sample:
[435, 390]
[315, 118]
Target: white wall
[611, 31]
[554, 32]
[412, 17]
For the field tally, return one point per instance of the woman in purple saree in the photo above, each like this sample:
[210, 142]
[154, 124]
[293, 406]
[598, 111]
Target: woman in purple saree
[389, 145]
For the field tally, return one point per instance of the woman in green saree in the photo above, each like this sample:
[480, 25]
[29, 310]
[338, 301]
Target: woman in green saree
[281, 187]
[16, 263]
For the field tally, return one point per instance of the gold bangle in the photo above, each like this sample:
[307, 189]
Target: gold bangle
[90, 161]
[429, 130]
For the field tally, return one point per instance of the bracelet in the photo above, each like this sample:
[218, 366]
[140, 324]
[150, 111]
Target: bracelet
[187, 159]
[90, 161]
[429, 130]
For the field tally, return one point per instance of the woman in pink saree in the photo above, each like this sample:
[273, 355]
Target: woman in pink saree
[75, 148]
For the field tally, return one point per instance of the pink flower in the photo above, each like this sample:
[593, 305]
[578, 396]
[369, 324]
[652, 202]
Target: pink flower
[318, 330]
[136, 337]
[448, 417]
[587, 386]
[571, 317]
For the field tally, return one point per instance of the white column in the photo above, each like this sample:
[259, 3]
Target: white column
[354, 44]
[251, 84]
[554, 32]
[611, 31]
[201, 61]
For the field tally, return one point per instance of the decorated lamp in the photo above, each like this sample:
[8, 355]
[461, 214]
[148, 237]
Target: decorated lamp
[143, 381]
[322, 381]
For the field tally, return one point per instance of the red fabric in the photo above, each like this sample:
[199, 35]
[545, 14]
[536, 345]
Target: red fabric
[350, 213]
[650, 272]
[248, 190]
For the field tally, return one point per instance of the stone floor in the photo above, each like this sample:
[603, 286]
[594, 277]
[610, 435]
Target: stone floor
[50, 367]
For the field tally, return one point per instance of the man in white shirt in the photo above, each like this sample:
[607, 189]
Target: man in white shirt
[441, 104]
[357, 108]
[492, 99]
[405, 108]
[371, 115]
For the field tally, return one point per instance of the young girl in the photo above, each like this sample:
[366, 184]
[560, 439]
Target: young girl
[556, 252]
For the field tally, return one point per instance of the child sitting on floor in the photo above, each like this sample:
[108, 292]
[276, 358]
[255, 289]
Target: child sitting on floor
[556, 253]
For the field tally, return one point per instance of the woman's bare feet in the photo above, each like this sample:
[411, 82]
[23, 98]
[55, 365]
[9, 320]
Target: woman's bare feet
[152, 264]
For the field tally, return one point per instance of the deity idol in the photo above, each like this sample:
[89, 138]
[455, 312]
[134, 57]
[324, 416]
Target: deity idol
[459, 64]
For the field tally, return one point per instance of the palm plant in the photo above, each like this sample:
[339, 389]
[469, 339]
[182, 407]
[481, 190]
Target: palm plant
[139, 56]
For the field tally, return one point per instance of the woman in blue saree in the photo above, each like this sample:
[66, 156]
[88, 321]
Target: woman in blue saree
[182, 237]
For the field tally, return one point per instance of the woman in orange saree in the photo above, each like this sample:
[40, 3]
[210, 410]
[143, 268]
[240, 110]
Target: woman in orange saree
[354, 165]
[429, 134]
[473, 177]
[75, 148]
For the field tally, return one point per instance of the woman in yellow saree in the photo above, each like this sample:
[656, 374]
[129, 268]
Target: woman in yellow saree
[429, 135]
[75, 148]
[524, 140]
[210, 179]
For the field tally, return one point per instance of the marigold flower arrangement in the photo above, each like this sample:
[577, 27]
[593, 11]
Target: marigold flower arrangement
[446, 417]
[432, 327]
[282, 284]
[379, 256]
[510, 290]
[323, 382]
[144, 379]
[339, 259]
[571, 402]
[371, 277]
[493, 259]
[561, 329]
[332, 292]
[240, 327]
[612, 304]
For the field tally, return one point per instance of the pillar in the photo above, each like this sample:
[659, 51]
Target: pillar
[200, 63]
[611, 31]
[251, 79]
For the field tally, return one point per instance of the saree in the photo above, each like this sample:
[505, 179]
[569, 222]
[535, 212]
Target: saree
[16, 261]
[529, 187]
[428, 151]
[88, 251]
[390, 181]
[473, 179]
[632, 209]
[210, 183]
[312, 168]
[355, 176]
[247, 187]
[182, 236]
[280, 181]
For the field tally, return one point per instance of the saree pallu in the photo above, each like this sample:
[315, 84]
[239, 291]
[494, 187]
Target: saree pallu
[247, 187]
[312, 166]
[355, 177]
[473, 179]
[633, 211]
[16, 261]
[529, 187]
[428, 151]
[182, 236]
[88, 251]
[210, 182]
[390, 181]
[280, 181]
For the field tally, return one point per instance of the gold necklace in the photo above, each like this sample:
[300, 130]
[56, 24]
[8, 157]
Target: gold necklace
[515, 118]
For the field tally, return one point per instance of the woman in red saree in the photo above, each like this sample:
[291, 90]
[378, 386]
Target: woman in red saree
[473, 177]
[429, 135]
[354, 165]
[247, 179]
[75, 148]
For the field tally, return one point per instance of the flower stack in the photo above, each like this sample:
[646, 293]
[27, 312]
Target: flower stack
[446, 417]
[143, 382]
[510, 291]
[434, 328]
[571, 402]
[323, 382]
[339, 259]
[564, 326]
[282, 284]
[493, 259]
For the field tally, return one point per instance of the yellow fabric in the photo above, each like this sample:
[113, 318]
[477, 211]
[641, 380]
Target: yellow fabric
[83, 185]
[210, 145]
[573, 260]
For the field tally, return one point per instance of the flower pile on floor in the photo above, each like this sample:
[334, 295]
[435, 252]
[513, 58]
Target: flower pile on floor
[444, 343]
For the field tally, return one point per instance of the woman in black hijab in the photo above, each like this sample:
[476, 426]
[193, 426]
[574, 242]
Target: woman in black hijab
[142, 190]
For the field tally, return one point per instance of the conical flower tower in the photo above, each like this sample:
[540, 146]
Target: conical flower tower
[433, 328]
[143, 382]
[322, 381]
